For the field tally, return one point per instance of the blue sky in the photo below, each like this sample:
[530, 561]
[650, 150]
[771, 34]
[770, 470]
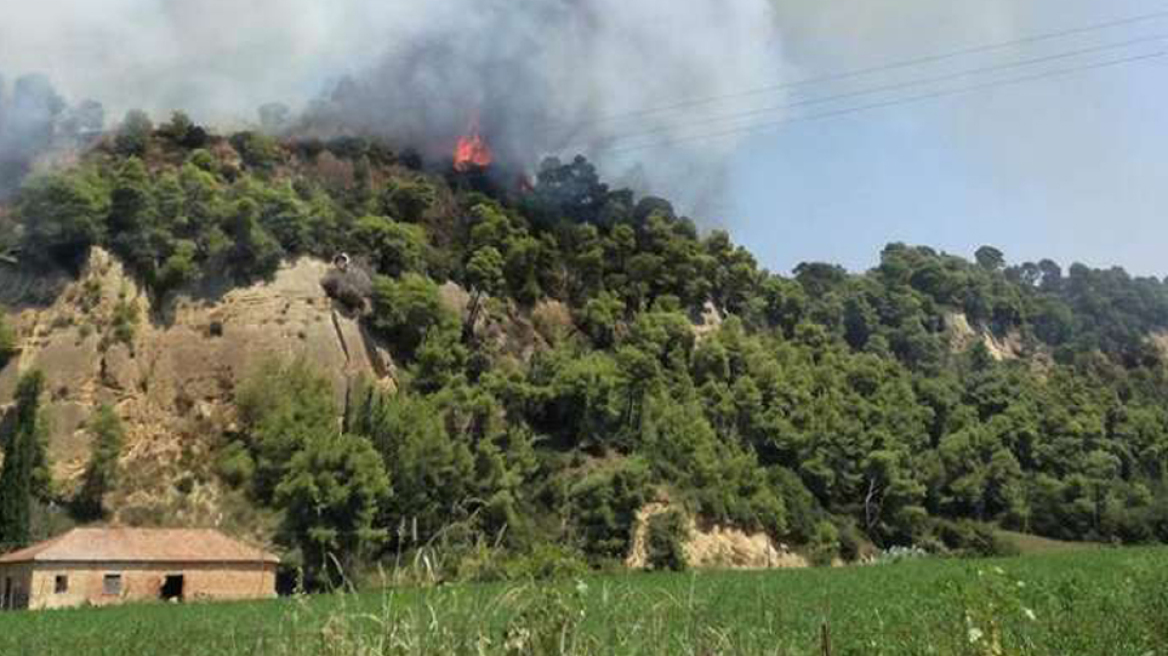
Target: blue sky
[1072, 168]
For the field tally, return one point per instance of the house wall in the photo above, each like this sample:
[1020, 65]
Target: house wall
[143, 582]
[21, 576]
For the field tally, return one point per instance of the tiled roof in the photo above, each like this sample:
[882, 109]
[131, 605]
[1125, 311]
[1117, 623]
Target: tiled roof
[127, 545]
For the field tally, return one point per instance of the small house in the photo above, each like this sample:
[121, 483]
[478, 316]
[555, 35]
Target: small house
[102, 566]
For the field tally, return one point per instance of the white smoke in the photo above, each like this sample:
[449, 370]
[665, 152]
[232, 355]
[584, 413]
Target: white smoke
[545, 76]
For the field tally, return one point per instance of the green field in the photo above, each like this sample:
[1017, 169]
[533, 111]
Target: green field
[1103, 601]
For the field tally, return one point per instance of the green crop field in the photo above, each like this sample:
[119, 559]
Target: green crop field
[1104, 601]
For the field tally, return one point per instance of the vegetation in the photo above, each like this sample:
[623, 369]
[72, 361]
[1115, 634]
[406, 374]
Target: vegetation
[7, 340]
[1037, 606]
[24, 476]
[108, 437]
[924, 402]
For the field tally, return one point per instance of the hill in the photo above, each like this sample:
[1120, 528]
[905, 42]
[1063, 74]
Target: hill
[531, 364]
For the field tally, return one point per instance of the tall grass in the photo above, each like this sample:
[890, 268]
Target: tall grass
[1103, 602]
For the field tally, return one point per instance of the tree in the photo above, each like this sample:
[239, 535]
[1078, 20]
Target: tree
[65, 214]
[101, 473]
[407, 200]
[396, 248]
[7, 341]
[405, 310]
[283, 407]
[23, 454]
[432, 474]
[484, 275]
[134, 134]
[990, 258]
[332, 492]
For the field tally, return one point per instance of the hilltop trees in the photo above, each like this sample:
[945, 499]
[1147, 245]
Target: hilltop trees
[596, 351]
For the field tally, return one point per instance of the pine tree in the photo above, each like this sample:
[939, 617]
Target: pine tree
[21, 447]
[102, 470]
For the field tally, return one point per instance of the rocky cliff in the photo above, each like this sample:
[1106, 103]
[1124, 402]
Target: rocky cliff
[171, 371]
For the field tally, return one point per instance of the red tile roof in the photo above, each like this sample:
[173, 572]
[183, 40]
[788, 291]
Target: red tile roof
[148, 545]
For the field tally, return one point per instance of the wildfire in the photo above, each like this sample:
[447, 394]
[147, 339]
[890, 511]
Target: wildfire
[472, 151]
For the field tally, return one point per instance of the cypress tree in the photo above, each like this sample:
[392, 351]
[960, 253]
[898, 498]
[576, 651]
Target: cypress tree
[21, 448]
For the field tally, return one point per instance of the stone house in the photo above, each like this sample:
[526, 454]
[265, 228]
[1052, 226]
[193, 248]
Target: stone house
[102, 566]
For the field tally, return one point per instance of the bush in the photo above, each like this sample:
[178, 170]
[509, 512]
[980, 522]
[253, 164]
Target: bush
[256, 150]
[665, 538]
[969, 538]
[134, 134]
[405, 310]
[235, 465]
[605, 505]
[7, 341]
[545, 561]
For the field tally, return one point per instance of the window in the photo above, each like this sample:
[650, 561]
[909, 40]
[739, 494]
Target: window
[61, 585]
[112, 584]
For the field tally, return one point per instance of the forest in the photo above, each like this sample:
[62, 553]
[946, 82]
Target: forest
[927, 402]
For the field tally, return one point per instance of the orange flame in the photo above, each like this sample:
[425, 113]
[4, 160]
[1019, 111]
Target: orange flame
[472, 151]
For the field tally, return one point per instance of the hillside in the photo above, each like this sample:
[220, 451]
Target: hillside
[349, 351]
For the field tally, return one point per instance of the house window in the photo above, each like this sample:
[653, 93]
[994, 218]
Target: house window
[112, 584]
[61, 584]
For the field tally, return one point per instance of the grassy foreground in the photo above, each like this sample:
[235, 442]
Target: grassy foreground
[1095, 602]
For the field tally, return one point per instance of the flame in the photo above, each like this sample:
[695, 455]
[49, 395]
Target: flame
[472, 151]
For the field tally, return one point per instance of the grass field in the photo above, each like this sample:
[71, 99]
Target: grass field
[1103, 601]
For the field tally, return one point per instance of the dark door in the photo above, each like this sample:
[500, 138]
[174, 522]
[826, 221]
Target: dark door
[172, 587]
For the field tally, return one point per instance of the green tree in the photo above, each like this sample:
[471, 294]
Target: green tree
[283, 407]
[990, 258]
[7, 340]
[64, 213]
[134, 134]
[101, 472]
[331, 493]
[396, 248]
[405, 310]
[23, 454]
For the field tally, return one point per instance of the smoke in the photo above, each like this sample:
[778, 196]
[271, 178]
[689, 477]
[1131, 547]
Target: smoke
[541, 76]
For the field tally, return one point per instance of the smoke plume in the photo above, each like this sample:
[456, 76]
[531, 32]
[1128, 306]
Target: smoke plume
[542, 77]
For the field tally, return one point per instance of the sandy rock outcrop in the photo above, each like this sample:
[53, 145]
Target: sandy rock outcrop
[172, 379]
[716, 547]
[962, 335]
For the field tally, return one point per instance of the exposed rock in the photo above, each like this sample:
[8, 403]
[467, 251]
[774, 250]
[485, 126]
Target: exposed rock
[172, 382]
[717, 547]
[962, 335]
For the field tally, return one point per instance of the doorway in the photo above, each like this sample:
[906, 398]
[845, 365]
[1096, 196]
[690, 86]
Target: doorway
[172, 587]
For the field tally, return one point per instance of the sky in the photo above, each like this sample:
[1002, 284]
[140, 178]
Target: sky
[1072, 168]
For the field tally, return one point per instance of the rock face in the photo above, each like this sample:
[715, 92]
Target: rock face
[716, 547]
[172, 379]
[962, 335]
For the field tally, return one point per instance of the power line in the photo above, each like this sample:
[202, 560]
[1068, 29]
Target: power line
[760, 127]
[891, 87]
[907, 63]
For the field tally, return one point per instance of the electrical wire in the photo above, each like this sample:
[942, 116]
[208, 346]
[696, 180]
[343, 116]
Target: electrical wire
[760, 127]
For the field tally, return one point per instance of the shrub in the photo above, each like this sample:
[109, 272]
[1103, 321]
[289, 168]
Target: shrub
[102, 471]
[134, 134]
[7, 341]
[665, 538]
[235, 465]
[405, 310]
[605, 505]
[969, 538]
[256, 150]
